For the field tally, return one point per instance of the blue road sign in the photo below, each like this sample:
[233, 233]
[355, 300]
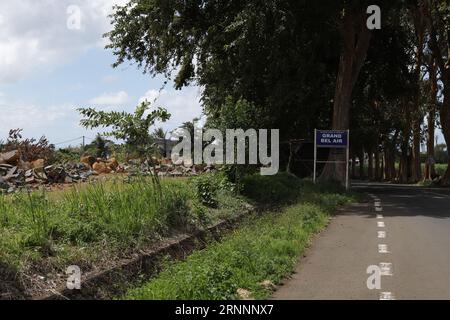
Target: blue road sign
[332, 139]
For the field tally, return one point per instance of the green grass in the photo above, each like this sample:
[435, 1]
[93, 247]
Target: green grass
[100, 220]
[93, 225]
[264, 248]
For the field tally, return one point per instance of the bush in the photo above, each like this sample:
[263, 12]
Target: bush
[206, 187]
[271, 189]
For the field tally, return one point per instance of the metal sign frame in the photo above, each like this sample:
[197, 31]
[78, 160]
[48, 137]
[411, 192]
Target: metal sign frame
[347, 169]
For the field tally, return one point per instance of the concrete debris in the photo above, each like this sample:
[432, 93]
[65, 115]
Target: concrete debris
[9, 157]
[268, 285]
[16, 173]
[244, 294]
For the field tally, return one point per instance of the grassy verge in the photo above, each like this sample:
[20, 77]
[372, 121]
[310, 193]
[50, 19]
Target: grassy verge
[263, 250]
[42, 233]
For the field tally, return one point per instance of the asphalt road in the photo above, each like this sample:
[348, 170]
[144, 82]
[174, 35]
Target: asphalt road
[402, 230]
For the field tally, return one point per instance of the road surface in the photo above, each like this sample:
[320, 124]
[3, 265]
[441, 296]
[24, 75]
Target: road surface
[402, 230]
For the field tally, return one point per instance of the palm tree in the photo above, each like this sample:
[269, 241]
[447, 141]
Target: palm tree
[190, 127]
[101, 146]
[162, 135]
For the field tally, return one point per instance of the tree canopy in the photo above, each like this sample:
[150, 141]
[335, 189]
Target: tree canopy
[305, 64]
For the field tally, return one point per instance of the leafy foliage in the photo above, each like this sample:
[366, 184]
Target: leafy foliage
[133, 128]
[206, 188]
[274, 54]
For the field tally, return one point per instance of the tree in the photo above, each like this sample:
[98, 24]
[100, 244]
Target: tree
[301, 64]
[133, 128]
[279, 55]
[161, 135]
[441, 153]
[432, 104]
[355, 37]
[101, 147]
[417, 14]
[438, 18]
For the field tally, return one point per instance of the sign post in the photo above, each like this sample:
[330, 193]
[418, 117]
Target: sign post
[332, 139]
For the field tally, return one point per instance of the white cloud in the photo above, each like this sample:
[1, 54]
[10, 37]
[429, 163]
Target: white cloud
[34, 119]
[34, 34]
[152, 95]
[110, 79]
[111, 99]
[183, 105]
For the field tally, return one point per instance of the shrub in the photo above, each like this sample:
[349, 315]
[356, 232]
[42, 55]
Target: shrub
[206, 187]
[271, 189]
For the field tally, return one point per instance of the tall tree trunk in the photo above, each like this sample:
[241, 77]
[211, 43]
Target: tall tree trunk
[403, 172]
[445, 121]
[440, 44]
[377, 165]
[430, 171]
[356, 39]
[353, 169]
[361, 165]
[419, 24]
[403, 167]
[387, 172]
[390, 155]
[370, 164]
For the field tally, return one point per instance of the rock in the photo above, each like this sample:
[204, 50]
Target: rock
[10, 172]
[88, 161]
[179, 162]
[38, 164]
[40, 175]
[24, 165]
[31, 179]
[199, 167]
[101, 167]
[10, 157]
[29, 173]
[5, 166]
[188, 163]
[69, 180]
[3, 184]
[166, 162]
[55, 174]
[112, 164]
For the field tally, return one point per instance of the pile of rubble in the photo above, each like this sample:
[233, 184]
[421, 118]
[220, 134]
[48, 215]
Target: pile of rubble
[166, 168]
[16, 173]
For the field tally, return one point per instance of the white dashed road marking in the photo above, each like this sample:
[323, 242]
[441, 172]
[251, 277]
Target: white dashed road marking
[386, 269]
[383, 248]
[386, 296]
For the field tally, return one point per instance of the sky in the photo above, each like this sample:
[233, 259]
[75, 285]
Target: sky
[53, 60]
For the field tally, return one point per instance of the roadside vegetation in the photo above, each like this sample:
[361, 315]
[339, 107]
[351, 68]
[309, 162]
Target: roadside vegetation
[254, 258]
[96, 225]
[44, 232]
